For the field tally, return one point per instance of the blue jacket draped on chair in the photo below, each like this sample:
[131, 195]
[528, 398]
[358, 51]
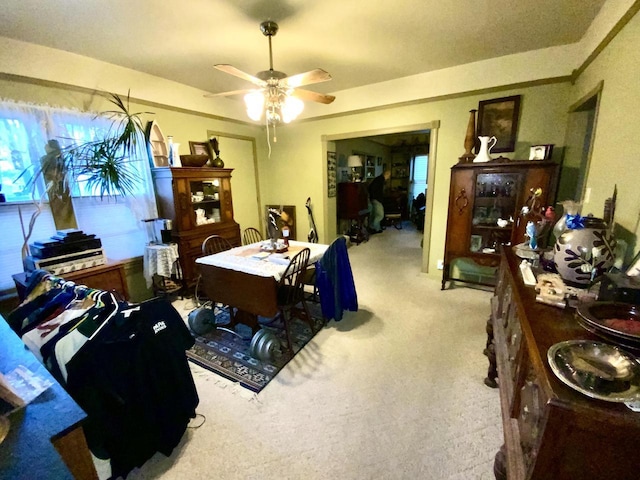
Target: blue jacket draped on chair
[334, 280]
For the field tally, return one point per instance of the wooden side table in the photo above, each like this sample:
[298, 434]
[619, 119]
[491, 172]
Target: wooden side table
[104, 277]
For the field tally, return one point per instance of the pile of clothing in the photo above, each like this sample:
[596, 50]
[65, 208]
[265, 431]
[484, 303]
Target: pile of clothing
[124, 364]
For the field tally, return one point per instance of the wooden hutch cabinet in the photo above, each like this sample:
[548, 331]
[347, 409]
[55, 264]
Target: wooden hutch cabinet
[198, 201]
[479, 195]
[550, 430]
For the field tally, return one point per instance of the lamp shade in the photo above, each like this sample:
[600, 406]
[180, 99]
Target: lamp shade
[354, 161]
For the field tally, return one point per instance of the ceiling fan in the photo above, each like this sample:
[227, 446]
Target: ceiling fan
[278, 95]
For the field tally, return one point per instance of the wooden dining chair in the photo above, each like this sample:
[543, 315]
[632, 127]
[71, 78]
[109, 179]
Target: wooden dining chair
[251, 235]
[215, 244]
[291, 301]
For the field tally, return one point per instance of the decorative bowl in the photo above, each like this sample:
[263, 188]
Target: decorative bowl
[194, 160]
[616, 319]
[596, 369]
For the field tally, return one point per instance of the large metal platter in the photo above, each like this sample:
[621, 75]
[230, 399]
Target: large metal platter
[596, 369]
[599, 315]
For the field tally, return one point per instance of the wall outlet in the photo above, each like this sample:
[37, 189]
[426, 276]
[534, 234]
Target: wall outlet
[440, 264]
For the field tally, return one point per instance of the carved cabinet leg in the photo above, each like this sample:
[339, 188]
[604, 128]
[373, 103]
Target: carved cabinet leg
[500, 464]
[490, 352]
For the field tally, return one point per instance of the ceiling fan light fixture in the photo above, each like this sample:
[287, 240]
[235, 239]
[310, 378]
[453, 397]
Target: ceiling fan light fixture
[291, 108]
[254, 102]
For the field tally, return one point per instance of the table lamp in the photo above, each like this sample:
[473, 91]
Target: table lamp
[355, 163]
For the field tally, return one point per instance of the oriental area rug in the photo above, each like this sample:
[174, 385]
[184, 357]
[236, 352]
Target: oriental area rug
[229, 355]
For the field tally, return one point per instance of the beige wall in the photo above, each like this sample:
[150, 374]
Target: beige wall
[615, 158]
[295, 169]
[543, 117]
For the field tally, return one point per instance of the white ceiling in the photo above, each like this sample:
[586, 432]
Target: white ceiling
[358, 42]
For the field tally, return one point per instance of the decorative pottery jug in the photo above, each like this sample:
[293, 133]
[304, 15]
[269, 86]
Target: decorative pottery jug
[485, 149]
[569, 207]
[583, 253]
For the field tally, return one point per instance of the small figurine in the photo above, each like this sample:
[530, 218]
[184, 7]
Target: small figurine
[531, 232]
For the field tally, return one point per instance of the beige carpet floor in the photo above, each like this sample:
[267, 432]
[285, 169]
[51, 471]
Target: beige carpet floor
[394, 391]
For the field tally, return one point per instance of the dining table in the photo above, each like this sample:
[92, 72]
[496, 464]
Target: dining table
[246, 277]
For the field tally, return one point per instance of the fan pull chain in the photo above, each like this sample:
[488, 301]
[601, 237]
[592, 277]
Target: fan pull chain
[268, 141]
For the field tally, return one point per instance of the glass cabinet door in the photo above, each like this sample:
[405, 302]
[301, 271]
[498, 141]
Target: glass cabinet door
[494, 208]
[205, 200]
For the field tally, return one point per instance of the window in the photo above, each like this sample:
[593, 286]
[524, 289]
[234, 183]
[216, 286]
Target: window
[420, 166]
[24, 132]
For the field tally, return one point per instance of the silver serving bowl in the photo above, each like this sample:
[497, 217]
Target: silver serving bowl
[596, 369]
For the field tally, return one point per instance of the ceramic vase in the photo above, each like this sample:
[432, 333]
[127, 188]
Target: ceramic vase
[582, 254]
[470, 138]
[486, 144]
[217, 162]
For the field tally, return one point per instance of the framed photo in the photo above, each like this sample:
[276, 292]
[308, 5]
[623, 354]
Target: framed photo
[499, 118]
[332, 173]
[200, 148]
[540, 152]
[476, 243]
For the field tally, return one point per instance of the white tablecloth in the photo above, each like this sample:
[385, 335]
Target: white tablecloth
[159, 260]
[241, 259]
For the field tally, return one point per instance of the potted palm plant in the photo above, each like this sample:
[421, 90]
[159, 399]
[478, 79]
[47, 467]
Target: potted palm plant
[102, 164]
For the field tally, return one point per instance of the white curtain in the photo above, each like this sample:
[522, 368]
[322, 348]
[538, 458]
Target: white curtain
[24, 131]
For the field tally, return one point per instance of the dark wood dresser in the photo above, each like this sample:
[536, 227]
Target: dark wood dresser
[550, 430]
[353, 206]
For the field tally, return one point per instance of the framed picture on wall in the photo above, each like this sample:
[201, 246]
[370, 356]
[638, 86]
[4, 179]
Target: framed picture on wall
[499, 118]
[332, 174]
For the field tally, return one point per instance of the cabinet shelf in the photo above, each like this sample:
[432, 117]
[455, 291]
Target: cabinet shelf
[491, 227]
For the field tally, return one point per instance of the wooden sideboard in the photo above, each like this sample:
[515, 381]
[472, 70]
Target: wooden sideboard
[110, 276]
[550, 430]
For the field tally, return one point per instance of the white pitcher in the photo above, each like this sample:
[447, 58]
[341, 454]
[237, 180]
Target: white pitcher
[485, 149]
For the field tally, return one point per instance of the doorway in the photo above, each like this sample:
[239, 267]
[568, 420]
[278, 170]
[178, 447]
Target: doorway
[385, 138]
[581, 125]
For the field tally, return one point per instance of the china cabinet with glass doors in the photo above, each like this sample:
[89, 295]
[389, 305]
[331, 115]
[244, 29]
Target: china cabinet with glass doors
[199, 202]
[485, 200]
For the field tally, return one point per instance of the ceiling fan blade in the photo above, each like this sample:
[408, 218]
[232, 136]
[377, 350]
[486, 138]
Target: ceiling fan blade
[313, 96]
[307, 78]
[228, 94]
[231, 70]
